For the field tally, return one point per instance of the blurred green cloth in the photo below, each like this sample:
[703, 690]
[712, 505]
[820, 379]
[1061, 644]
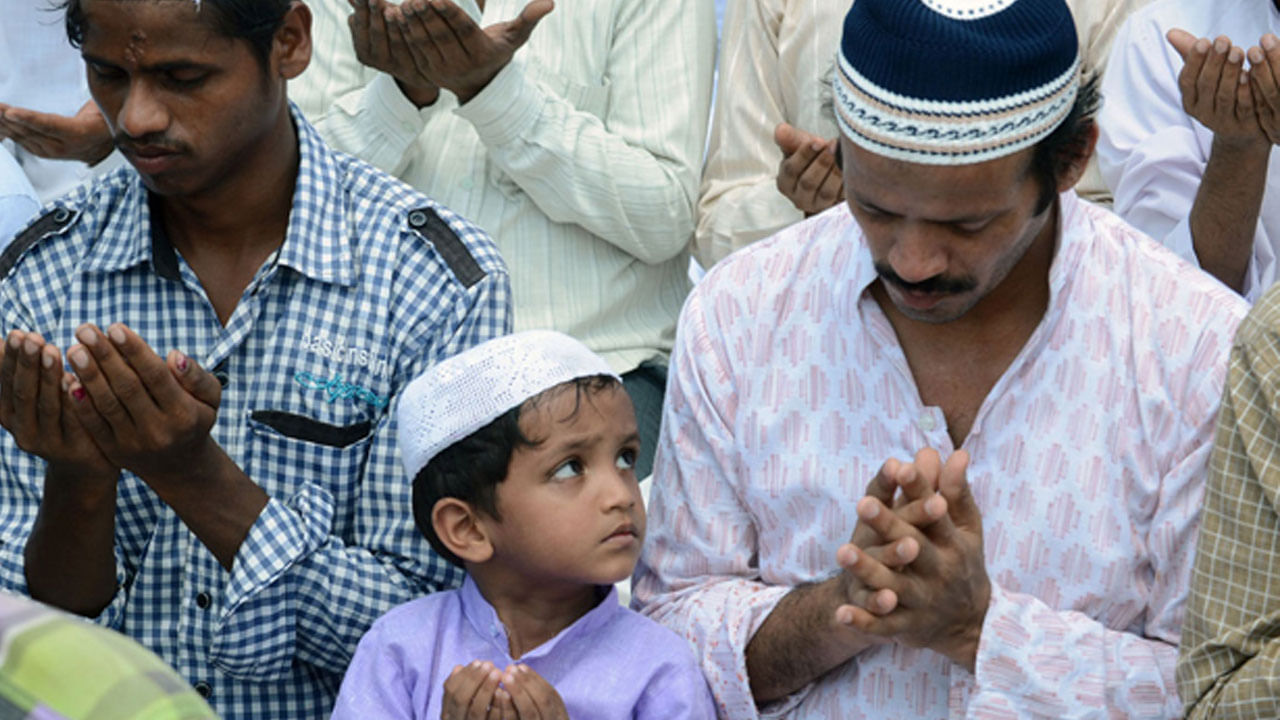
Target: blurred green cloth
[56, 666]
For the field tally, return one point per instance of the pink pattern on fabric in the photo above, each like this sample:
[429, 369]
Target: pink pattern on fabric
[789, 389]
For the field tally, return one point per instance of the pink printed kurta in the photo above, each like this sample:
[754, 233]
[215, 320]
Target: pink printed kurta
[788, 390]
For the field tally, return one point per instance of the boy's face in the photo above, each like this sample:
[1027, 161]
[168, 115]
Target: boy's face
[571, 507]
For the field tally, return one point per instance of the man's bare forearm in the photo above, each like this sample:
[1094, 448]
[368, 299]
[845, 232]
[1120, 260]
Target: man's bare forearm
[216, 500]
[1225, 214]
[69, 559]
[800, 642]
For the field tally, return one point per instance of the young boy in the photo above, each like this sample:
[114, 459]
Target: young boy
[521, 452]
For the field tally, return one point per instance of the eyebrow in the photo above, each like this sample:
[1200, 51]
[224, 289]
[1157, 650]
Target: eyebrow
[981, 217]
[587, 440]
[161, 67]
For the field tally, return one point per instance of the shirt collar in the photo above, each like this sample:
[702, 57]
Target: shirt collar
[316, 242]
[484, 619]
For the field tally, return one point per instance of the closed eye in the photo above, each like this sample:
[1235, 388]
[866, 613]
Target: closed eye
[971, 228]
[185, 78]
[104, 73]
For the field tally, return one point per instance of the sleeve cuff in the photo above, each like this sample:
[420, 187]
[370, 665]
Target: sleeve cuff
[507, 108]
[758, 607]
[782, 708]
[281, 536]
[388, 107]
[1001, 631]
[1179, 241]
[112, 615]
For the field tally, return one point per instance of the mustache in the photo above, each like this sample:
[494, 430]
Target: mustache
[127, 143]
[936, 285]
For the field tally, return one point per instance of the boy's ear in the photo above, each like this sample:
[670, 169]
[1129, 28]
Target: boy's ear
[459, 528]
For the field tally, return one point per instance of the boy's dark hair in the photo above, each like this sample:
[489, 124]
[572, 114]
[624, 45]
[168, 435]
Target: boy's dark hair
[255, 21]
[471, 468]
[1068, 142]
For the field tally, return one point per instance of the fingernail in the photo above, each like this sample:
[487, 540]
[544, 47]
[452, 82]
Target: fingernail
[508, 678]
[117, 335]
[475, 663]
[183, 363]
[1269, 41]
[873, 509]
[494, 675]
[79, 357]
[1255, 55]
[65, 385]
[1220, 46]
[902, 551]
[1236, 55]
[47, 361]
[1202, 45]
[15, 341]
[79, 394]
[933, 506]
[30, 347]
[87, 336]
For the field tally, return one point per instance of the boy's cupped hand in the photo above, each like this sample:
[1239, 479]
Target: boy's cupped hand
[479, 691]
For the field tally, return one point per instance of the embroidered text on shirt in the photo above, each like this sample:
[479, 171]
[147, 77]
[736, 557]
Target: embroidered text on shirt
[337, 350]
[336, 388]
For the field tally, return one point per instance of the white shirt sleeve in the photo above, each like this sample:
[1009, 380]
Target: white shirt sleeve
[18, 203]
[621, 159]
[1151, 153]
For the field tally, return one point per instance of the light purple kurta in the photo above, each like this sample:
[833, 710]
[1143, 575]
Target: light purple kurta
[611, 663]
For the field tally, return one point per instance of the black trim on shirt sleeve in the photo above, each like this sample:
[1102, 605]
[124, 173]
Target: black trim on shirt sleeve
[451, 248]
[51, 222]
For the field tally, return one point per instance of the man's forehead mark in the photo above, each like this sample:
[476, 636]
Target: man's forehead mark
[136, 48]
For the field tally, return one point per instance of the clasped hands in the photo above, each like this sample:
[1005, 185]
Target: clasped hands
[914, 570]
[121, 406]
[1240, 105]
[431, 44]
[479, 691]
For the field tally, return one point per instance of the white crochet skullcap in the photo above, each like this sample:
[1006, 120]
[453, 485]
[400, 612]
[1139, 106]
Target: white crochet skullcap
[463, 393]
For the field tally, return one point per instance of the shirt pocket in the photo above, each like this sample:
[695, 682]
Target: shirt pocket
[289, 450]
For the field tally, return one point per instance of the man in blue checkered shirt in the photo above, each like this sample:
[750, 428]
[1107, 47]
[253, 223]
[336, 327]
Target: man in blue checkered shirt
[236, 504]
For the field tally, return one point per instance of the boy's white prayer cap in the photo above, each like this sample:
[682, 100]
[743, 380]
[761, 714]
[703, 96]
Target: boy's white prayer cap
[463, 393]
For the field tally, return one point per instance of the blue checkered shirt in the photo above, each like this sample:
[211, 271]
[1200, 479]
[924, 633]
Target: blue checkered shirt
[373, 283]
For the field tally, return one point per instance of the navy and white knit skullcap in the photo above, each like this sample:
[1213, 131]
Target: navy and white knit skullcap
[955, 82]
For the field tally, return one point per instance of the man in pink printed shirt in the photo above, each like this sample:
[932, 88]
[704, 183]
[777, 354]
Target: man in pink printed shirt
[1066, 367]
